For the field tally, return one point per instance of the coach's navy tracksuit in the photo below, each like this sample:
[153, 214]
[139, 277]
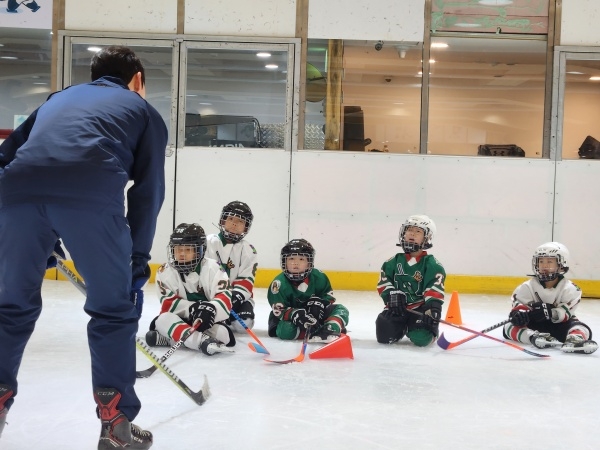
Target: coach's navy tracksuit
[63, 173]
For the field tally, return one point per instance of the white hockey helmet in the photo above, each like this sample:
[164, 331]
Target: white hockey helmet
[420, 221]
[551, 250]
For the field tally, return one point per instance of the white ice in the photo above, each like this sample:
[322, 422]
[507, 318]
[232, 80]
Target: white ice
[481, 395]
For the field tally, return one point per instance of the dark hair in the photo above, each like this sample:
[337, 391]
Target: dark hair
[116, 61]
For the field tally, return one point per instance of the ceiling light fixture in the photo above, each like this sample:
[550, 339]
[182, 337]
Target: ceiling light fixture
[439, 45]
[94, 49]
[495, 2]
[263, 55]
[271, 66]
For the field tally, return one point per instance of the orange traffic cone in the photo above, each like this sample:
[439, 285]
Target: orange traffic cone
[340, 348]
[453, 313]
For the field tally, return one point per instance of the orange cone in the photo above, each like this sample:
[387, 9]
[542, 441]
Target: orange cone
[453, 313]
[340, 348]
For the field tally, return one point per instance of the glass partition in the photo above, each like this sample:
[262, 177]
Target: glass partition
[486, 96]
[25, 68]
[380, 102]
[236, 95]
[581, 110]
[157, 62]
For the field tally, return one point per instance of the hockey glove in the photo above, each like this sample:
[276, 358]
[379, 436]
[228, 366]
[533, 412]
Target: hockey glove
[397, 303]
[301, 319]
[316, 308]
[431, 317]
[519, 317]
[540, 312]
[203, 312]
[237, 298]
[137, 294]
[52, 260]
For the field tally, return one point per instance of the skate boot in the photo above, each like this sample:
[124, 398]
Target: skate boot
[576, 344]
[209, 346]
[5, 393]
[33, 6]
[544, 340]
[116, 431]
[155, 339]
[325, 335]
[12, 6]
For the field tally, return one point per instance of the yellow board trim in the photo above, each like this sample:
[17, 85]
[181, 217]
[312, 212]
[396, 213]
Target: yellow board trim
[367, 281]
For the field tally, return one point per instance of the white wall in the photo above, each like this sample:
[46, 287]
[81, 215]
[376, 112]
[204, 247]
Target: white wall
[391, 20]
[579, 24]
[241, 17]
[131, 16]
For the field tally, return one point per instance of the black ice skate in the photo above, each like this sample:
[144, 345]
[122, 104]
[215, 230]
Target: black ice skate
[155, 339]
[5, 393]
[116, 431]
[209, 346]
[33, 6]
[576, 344]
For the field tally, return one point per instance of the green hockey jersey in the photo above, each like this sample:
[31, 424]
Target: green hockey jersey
[421, 279]
[284, 296]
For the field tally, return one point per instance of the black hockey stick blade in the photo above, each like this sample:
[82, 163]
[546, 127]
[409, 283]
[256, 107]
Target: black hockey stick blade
[199, 397]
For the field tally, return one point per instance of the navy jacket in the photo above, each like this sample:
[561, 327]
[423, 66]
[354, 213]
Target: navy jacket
[80, 149]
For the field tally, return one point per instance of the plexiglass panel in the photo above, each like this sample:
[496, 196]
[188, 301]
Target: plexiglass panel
[158, 66]
[380, 104]
[25, 56]
[486, 97]
[581, 103]
[236, 96]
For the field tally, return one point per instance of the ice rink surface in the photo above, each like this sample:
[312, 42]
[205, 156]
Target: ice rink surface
[481, 395]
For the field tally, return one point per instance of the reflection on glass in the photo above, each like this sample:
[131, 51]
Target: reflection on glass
[581, 116]
[486, 96]
[381, 96]
[25, 56]
[236, 98]
[157, 62]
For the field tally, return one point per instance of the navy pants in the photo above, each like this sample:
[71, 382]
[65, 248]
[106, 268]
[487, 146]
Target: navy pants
[100, 246]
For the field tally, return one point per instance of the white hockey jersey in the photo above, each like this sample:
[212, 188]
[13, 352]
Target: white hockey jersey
[564, 297]
[207, 283]
[239, 260]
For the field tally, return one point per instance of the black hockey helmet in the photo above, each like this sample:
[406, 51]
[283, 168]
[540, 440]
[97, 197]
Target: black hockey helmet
[299, 247]
[236, 209]
[188, 234]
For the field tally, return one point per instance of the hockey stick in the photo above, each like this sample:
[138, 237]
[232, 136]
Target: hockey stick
[150, 370]
[198, 397]
[447, 345]
[510, 344]
[260, 347]
[298, 358]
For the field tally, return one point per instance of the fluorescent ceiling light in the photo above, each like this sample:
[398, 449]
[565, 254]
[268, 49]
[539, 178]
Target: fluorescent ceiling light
[8, 57]
[271, 66]
[439, 45]
[595, 78]
[495, 2]
[263, 55]
[94, 49]
[576, 73]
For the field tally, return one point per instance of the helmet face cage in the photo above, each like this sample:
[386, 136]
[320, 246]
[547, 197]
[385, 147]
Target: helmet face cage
[550, 250]
[189, 235]
[425, 224]
[297, 247]
[236, 209]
